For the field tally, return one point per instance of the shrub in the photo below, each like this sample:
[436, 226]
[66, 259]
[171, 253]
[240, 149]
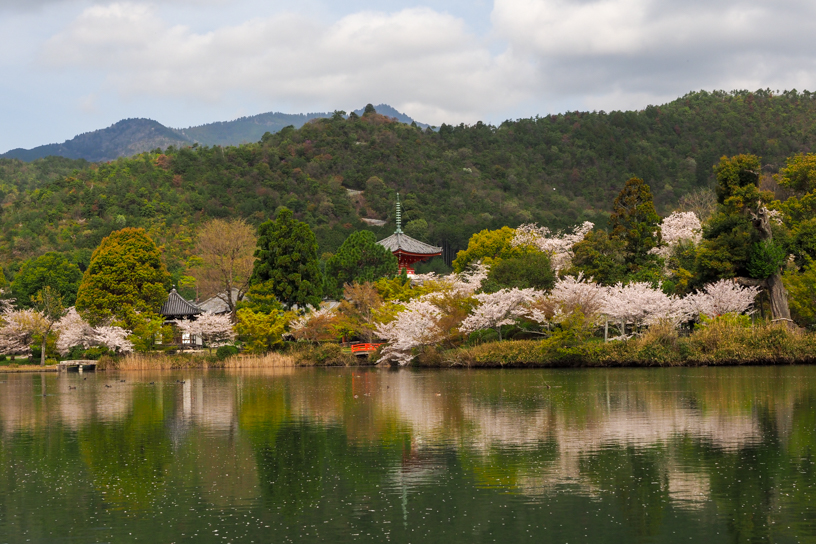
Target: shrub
[226, 351]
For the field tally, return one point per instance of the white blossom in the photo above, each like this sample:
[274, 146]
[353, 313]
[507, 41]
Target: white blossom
[570, 294]
[557, 245]
[75, 331]
[214, 329]
[417, 325]
[676, 228]
[640, 304]
[504, 307]
[18, 330]
[722, 297]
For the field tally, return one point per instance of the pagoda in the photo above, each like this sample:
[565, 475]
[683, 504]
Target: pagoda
[408, 250]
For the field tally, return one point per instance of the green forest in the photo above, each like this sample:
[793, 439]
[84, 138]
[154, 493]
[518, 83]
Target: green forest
[555, 170]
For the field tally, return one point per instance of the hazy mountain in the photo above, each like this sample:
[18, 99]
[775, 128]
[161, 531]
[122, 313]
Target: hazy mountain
[123, 139]
[132, 136]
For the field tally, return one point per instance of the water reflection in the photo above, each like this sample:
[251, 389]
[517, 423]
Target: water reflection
[592, 455]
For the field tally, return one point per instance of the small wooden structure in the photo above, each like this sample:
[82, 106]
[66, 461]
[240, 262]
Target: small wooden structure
[77, 365]
[364, 350]
[408, 250]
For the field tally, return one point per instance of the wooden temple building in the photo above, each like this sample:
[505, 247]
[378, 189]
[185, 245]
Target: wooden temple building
[408, 250]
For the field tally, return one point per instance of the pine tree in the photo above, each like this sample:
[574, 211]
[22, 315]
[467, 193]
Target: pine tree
[287, 256]
[359, 259]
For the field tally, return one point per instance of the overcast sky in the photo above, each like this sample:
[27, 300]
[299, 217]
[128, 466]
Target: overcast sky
[70, 66]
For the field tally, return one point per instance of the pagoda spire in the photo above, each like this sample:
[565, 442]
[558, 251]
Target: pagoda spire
[399, 217]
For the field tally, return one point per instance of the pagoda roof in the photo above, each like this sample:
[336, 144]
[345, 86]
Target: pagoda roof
[178, 306]
[399, 241]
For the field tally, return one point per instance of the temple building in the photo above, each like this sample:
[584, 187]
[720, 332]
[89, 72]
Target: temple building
[408, 250]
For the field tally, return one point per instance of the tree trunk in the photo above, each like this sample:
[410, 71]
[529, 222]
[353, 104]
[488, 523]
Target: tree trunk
[776, 290]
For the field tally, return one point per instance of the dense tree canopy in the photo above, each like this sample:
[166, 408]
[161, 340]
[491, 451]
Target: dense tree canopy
[360, 259]
[286, 256]
[126, 277]
[53, 270]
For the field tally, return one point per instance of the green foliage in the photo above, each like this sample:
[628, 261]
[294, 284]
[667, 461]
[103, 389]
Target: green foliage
[801, 287]
[600, 257]
[53, 270]
[765, 259]
[360, 259]
[261, 298]
[126, 277]
[489, 247]
[634, 220]
[225, 352]
[799, 173]
[533, 270]
[146, 327]
[735, 175]
[261, 332]
[287, 256]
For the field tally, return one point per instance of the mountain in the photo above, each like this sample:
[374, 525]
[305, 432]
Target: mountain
[132, 136]
[556, 170]
[123, 139]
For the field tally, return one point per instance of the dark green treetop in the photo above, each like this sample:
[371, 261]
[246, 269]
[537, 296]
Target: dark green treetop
[635, 221]
[51, 269]
[360, 259]
[126, 277]
[533, 270]
[287, 256]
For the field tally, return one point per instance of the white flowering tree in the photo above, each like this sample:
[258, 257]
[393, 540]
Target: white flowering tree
[75, 331]
[722, 297]
[558, 245]
[19, 327]
[639, 304]
[495, 310]
[215, 330]
[569, 295]
[416, 326]
[676, 228]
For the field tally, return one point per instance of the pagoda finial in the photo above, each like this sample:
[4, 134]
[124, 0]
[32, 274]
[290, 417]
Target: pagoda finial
[399, 216]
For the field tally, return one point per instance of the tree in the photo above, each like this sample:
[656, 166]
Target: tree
[286, 255]
[722, 297]
[359, 310]
[317, 326]
[48, 302]
[261, 332]
[495, 310]
[215, 330]
[18, 330]
[634, 220]
[489, 247]
[360, 259]
[531, 271]
[51, 269]
[743, 207]
[600, 258]
[225, 249]
[557, 245]
[126, 276]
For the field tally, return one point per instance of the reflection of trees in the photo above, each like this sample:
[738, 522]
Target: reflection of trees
[128, 459]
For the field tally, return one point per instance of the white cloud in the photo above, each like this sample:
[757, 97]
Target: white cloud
[416, 59]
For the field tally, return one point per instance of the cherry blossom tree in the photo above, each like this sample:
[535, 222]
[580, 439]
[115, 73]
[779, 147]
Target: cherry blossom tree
[19, 327]
[214, 329]
[640, 304]
[557, 245]
[722, 297]
[570, 294]
[676, 228]
[75, 331]
[504, 307]
[416, 326]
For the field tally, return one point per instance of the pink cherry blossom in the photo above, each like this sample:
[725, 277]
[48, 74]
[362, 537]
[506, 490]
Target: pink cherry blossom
[557, 245]
[504, 307]
[721, 297]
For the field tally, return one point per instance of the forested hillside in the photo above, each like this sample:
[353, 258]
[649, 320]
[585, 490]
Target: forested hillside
[555, 170]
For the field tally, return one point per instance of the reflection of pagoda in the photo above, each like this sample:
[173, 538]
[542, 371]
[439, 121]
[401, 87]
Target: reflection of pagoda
[408, 250]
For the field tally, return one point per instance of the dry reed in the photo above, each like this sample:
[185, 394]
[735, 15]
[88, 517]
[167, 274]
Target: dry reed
[160, 361]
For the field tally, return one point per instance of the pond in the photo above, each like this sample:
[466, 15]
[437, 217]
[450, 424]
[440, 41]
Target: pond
[351, 455]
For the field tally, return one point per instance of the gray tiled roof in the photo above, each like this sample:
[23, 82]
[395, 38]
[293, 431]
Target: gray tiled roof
[177, 306]
[216, 304]
[404, 242]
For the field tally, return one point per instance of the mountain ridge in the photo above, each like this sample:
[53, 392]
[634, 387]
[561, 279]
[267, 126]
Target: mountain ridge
[132, 136]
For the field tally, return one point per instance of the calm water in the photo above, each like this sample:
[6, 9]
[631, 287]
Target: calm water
[302, 455]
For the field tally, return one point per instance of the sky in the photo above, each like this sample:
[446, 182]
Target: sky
[72, 66]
